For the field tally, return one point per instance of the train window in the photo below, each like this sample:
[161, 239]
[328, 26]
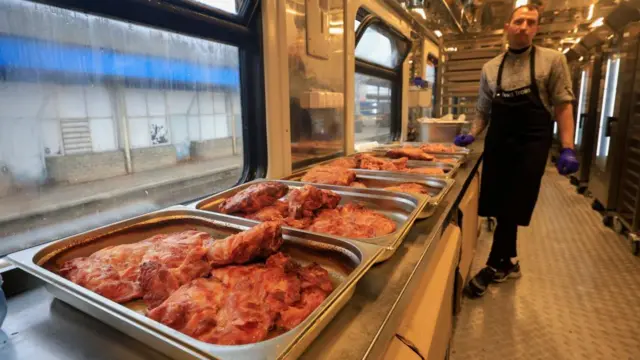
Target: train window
[103, 119]
[230, 6]
[380, 52]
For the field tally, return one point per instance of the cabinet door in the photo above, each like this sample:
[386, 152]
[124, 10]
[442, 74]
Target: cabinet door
[428, 320]
[469, 212]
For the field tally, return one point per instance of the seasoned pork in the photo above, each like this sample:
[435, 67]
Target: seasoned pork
[254, 198]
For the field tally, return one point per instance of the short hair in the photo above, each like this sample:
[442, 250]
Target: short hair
[531, 7]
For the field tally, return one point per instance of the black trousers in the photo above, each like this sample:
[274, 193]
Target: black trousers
[504, 243]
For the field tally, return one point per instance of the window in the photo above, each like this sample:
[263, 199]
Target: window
[230, 6]
[103, 119]
[380, 52]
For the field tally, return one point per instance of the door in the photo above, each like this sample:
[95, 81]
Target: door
[581, 110]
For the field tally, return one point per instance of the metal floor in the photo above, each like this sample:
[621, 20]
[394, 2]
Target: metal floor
[578, 298]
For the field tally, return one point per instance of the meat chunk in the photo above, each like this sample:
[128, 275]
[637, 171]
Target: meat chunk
[276, 212]
[373, 163]
[352, 162]
[352, 221]
[305, 201]
[409, 152]
[412, 188]
[359, 185]
[123, 273]
[439, 148]
[330, 175]
[260, 241]
[254, 198]
[240, 304]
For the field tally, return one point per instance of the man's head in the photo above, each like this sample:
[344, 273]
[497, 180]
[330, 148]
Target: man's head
[522, 26]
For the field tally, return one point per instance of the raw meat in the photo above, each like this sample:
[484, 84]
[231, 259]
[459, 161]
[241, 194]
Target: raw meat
[240, 304]
[439, 148]
[352, 221]
[409, 152]
[330, 175]
[356, 184]
[305, 201]
[373, 163]
[425, 171]
[346, 162]
[254, 198]
[412, 188]
[261, 240]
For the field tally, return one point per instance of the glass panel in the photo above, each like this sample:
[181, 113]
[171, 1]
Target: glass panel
[230, 6]
[582, 108]
[608, 104]
[316, 89]
[373, 109]
[103, 120]
[380, 47]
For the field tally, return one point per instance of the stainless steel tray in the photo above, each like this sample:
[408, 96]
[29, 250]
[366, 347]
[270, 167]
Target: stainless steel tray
[450, 169]
[402, 208]
[436, 186]
[347, 261]
[460, 150]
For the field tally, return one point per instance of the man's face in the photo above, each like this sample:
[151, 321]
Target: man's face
[522, 28]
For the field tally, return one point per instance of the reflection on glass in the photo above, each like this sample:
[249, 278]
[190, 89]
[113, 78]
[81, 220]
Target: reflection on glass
[230, 6]
[380, 47]
[608, 104]
[582, 108]
[102, 120]
[373, 109]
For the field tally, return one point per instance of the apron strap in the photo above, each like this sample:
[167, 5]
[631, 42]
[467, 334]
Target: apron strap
[499, 81]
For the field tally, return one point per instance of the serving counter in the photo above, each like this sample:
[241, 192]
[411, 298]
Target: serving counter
[402, 308]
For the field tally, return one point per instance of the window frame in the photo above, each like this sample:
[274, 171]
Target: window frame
[242, 30]
[395, 75]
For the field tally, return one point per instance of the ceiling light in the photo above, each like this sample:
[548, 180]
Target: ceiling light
[581, 58]
[565, 50]
[438, 33]
[597, 23]
[521, 3]
[336, 30]
[421, 12]
[590, 16]
[559, 49]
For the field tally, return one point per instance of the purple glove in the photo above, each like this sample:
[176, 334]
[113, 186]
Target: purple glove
[464, 140]
[567, 162]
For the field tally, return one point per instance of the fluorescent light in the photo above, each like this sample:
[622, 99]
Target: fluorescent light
[590, 16]
[438, 33]
[597, 23]
[421, 12]
[336, 30]
[565, 50]
[581, 58]
[521, 3]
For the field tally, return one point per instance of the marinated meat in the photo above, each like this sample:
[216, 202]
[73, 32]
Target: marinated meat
[279, 212]
[373, 163]
[411, 153]
[356, 184]
[352, 221]
[261, 240]
[425, 171]
[412, 188]
[330, 175]
[439, 148]
[121, 273]
[346, 162]
[254, 198]
[304, 202]
[240, 304]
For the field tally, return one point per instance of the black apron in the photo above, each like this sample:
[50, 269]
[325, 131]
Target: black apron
[516, 151]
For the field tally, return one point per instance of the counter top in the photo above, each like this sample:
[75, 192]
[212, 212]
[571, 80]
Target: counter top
[41, 327]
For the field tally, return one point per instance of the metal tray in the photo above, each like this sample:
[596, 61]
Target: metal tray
[450, 169]
[400, 207]
[346, 261]
[460, 150]
[438, 187]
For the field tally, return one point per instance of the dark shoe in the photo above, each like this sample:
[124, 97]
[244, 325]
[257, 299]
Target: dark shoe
[510, 271]
[480, 283]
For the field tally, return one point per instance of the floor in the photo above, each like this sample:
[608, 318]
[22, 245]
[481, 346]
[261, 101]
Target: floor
[578, 298]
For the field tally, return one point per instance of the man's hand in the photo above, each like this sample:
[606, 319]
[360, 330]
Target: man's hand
[464, 140]
[567, 162]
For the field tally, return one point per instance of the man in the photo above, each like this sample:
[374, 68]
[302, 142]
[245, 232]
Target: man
[519, 90]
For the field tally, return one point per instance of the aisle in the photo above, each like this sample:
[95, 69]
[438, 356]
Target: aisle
[578, 298]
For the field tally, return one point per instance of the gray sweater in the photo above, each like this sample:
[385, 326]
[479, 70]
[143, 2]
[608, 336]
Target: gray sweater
[552, 76]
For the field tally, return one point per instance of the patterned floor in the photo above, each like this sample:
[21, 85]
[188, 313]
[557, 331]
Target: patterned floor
[578, 298]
